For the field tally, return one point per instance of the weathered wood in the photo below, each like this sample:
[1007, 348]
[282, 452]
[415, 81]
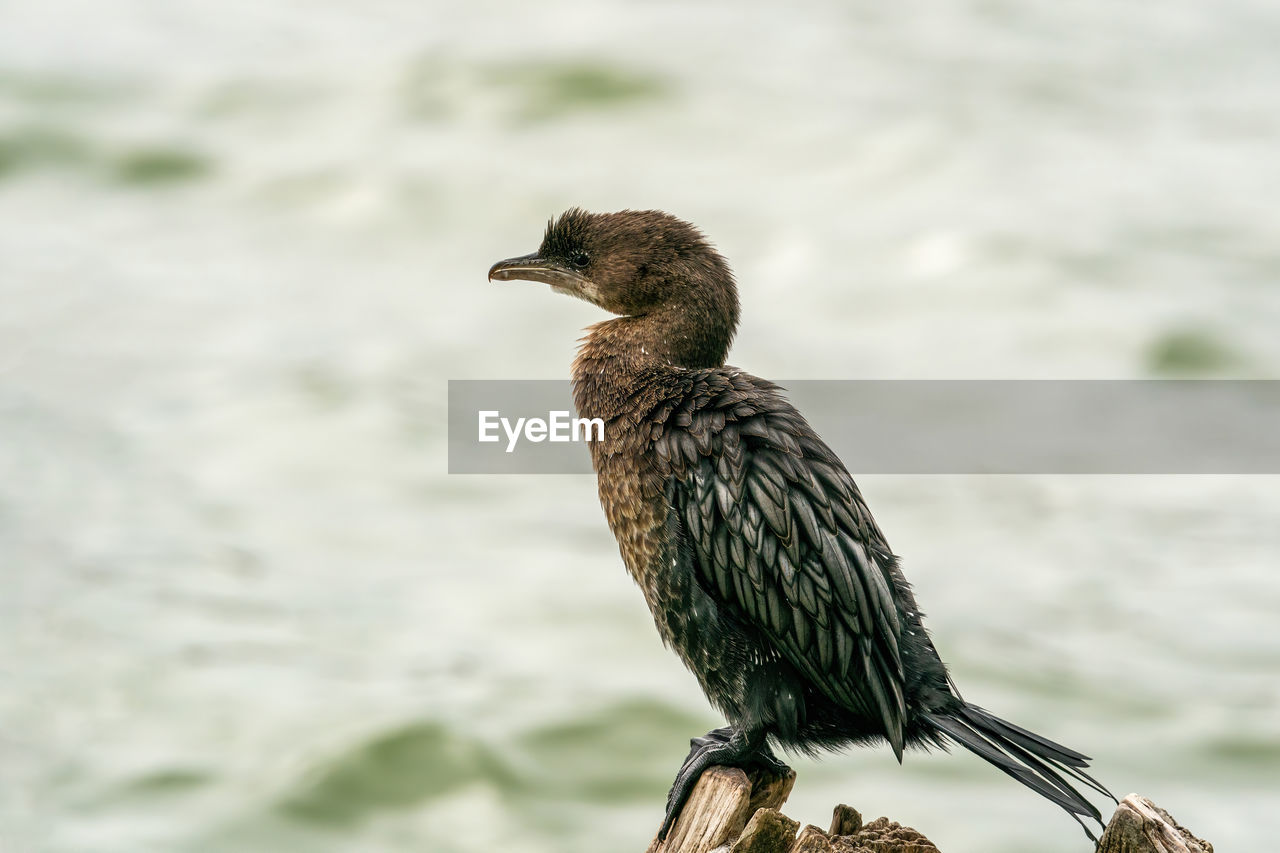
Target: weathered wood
[1140, 826]
[884, 836]
[812, 840]
[770, 790]
[845, 820]
[718, 809]
[769, 830]
[731, 811]
[715, 814]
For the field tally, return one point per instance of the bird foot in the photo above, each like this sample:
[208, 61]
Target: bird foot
[727, 747]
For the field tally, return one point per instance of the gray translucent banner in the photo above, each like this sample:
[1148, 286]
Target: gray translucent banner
[929, 426]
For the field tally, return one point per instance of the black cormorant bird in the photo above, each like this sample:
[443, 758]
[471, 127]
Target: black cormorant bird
[757, 555]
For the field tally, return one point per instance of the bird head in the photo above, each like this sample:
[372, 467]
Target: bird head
[631, 263]
[643, 264]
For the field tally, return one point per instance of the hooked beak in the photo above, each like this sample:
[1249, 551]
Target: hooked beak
[533, 268]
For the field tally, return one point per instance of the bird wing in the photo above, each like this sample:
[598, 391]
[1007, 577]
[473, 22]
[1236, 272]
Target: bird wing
[778, 531]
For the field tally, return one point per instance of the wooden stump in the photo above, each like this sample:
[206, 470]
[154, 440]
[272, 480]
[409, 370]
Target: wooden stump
[718, 809]
[1140, 826]
[731, 811]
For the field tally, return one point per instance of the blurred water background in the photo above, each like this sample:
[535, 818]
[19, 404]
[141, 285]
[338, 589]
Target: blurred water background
[243, 247]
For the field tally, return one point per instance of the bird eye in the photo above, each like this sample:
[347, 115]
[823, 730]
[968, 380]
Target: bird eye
[580, 260]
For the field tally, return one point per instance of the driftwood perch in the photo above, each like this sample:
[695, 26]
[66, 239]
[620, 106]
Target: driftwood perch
[731, 811]
[1139, 826]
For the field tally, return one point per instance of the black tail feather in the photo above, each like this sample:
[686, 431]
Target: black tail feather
[1067, 760]
[1035, 761]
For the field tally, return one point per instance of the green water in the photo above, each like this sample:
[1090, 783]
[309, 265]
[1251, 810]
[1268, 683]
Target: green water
[242, 248]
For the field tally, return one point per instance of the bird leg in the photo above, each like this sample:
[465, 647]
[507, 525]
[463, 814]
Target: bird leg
[729, 747]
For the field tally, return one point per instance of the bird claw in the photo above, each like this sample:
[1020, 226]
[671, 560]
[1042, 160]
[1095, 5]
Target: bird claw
[769, 763]
[727, 746]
